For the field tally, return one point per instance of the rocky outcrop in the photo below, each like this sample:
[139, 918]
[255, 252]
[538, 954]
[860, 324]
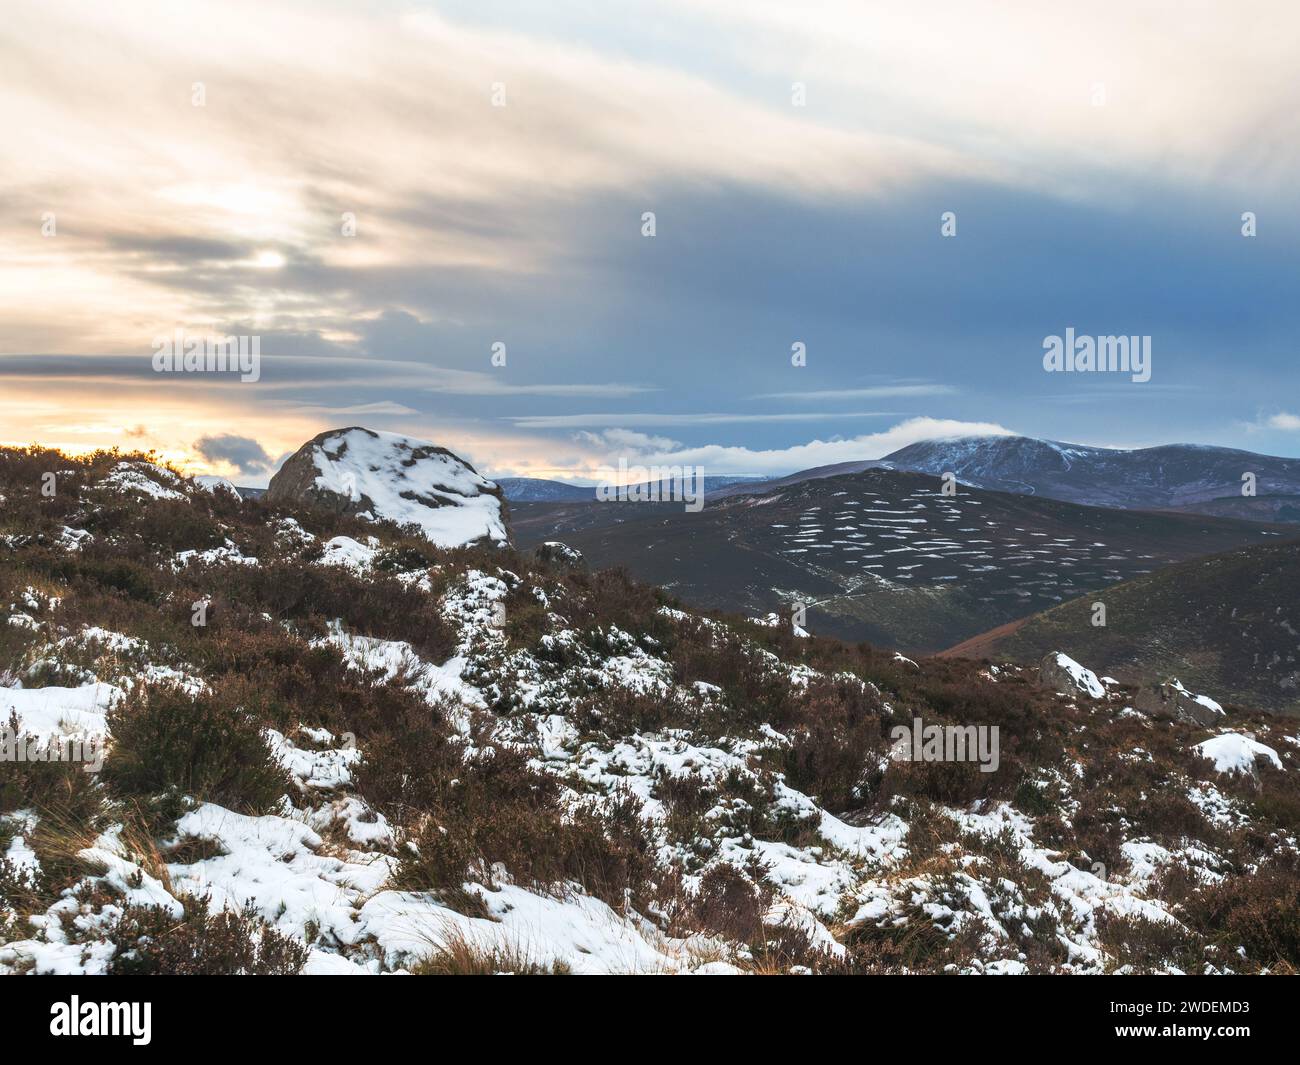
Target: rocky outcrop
[560, 554]
[385, 476]
[1063, 674]
[1171, 699]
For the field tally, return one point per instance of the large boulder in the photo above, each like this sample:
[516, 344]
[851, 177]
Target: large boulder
[1237, 752]
[1171, 699]
[384, 476]
[1063, 674]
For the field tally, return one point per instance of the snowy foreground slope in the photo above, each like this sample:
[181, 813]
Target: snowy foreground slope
[333, 746]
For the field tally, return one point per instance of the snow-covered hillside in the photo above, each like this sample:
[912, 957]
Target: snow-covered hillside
[332, 747]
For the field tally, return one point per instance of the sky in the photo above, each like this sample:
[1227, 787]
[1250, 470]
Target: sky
[387, 194]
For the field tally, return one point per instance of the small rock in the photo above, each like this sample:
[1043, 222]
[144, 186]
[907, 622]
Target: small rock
[560, 554]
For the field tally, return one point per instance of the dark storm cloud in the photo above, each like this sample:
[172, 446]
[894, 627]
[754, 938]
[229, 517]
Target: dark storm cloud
[179, 249]
[241, 452]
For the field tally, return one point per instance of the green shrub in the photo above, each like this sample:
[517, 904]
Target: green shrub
[1259, 914]
[152, 942]
[459, 955]
[165, 741]
[1147, 946]
[495, 808]
[62, 789]
[836, 744]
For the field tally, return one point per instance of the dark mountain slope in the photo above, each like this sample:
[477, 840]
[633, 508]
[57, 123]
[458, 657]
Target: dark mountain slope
[1229, 622]
[882, 555]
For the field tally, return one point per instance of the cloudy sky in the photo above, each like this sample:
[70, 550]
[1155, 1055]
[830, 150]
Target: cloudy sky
[189, 165]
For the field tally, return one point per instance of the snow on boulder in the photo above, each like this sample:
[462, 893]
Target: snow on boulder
[384, 476]
[559, 554]
[1174, 700]
[1235, 753]
[776, 621]
[349, 553]
[1201, 700]
[1063, 674]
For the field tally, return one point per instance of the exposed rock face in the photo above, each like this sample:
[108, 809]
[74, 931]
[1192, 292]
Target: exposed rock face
[1063, 674]
[1172, 699]
[384, 476]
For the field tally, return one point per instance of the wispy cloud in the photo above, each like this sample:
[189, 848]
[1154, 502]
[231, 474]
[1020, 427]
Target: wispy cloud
[684, 418]
[169, 213]
[385, 407]
[876, 392]
[723, 459]
[240, 453]
[1282, 420]
[463, 383]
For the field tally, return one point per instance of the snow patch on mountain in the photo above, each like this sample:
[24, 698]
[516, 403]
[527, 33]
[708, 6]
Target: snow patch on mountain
[349, 553]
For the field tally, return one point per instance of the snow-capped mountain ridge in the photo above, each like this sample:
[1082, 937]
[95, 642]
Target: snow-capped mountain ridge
[1165, 476]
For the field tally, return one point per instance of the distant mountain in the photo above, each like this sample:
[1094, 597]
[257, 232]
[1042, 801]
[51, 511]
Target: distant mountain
[540, 490]
[882, 555]
[1186, 476]
[816, 473]
[1230, 622]
[1258, 508]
